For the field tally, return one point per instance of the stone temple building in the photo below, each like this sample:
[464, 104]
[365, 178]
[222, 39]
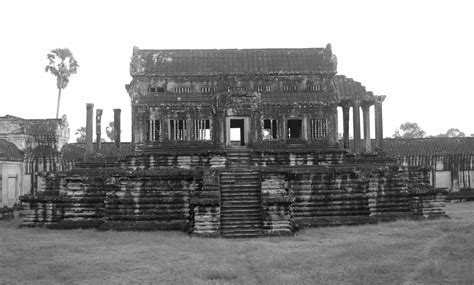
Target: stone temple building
[237, 143]
[28, 146]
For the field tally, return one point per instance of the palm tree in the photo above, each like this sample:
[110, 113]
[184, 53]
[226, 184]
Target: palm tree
[62, 64]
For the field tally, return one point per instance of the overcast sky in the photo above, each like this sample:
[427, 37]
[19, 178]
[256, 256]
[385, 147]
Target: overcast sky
[418, 53]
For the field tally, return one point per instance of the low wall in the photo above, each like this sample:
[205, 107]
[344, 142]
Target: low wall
[137, 196]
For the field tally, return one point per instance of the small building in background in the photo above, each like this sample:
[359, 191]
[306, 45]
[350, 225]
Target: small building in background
[28, 146]
[451, 159]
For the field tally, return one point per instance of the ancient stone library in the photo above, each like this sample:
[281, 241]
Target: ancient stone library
[234, 143]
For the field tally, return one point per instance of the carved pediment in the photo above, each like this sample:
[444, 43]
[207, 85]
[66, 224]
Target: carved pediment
[250, 100]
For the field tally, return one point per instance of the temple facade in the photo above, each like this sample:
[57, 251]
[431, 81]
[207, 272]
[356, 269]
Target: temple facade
[236, 143]
[227, 99]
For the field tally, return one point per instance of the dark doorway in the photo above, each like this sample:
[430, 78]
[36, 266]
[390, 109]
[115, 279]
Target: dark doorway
[295, 130]
[237, 132]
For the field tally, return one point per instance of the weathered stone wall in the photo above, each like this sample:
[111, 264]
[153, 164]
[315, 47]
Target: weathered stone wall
[150, 200]
[165, 191]
[113, 199]
[276, 201]
[205, 206]
[187, 159]
[325, 196]
[389, 195]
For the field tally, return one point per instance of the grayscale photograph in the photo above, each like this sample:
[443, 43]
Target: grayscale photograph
[236, 142]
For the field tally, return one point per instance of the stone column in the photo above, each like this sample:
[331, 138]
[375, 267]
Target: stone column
[356, 125]
[345, 122]
[379, 124]
[98, 119]
[117, 128]
[366, 117]
[332, 127]
[89, 127]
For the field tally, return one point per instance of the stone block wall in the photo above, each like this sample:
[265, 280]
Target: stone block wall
[41, 210]
[329, 197]
[141, 196]
[205, 206]
[149, 200]
[429, 204]
[220, 159]
[389, 196]
[114, 199]
[276, 203]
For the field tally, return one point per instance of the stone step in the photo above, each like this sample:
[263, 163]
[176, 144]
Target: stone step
[227, 171]
[240, 198]
[234, 211]
[230, 202]
[242, 220]
[243, 176]
[229, 195]
[239, 208]
[240, 174]
[240, 187]
[241, 191]
[241, 233]
[236, 225]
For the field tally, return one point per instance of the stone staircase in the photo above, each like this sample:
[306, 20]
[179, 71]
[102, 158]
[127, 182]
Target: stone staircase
[241, 208]
[239, 158]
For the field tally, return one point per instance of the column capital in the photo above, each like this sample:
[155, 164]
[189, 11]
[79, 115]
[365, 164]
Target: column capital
[365, 105]
[380, 98]
[345, 103]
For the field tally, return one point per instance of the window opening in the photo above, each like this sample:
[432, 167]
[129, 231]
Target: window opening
[270, 129]
[156, 89]
[208, 89]
[182, 89]
[290, 88]
[315, 87]
[153, 130]
[178, 130]
[202, 129]
[295, 130]
[318, 128]
[264, 88]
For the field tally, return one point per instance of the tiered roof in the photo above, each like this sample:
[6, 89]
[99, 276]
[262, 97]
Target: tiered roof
[214, 62]
[350, 89]
[429, 146]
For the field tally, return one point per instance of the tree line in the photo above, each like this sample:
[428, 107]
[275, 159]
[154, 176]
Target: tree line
[409, 130]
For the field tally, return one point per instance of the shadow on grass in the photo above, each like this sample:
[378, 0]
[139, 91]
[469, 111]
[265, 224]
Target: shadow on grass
[219, 275]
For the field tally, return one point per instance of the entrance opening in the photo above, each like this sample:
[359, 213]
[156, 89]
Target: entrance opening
[237, 132]
[295, 129]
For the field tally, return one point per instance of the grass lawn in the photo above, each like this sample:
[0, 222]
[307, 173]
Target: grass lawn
[402, 252]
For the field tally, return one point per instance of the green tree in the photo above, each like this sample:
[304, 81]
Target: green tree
[455, 133]
[451, 133]
[62, 64]
[409, 130]
[81, 133]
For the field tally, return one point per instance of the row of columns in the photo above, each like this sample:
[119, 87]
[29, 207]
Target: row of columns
[89, 128]
[366, 145]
